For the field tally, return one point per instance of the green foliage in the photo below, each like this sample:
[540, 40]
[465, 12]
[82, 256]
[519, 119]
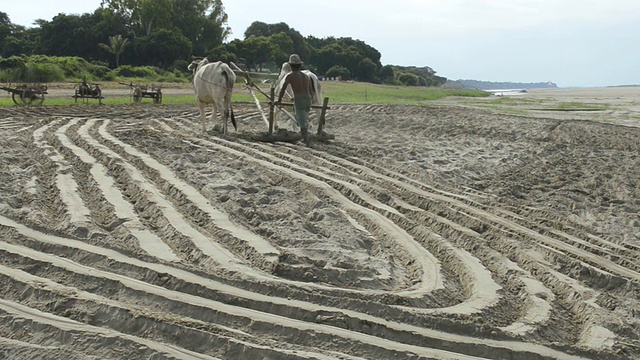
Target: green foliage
[40, 68]
[366, 70]
[408, 79]
[129, 71]
[33, 72]
[297, 41]
[367, 93]
[116, 46]
[425, 76]
[163, 48]
[147, 73]
[164, 33]
[338, 71]
[13, 62]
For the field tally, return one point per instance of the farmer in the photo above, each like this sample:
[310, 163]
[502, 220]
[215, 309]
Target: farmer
[301, 86]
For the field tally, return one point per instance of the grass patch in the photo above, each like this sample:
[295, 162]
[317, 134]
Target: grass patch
[338, 93]
[578, 106]
[358, 93]
[513, 101]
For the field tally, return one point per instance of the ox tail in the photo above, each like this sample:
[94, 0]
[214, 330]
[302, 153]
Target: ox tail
[315, 94]
[233, 118]
[229, 81]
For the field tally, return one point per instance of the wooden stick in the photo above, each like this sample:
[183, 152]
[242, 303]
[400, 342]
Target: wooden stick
[271, 109]
[322, 115]
[250, 84]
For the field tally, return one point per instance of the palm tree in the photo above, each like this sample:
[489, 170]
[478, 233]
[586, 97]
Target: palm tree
[116, 46]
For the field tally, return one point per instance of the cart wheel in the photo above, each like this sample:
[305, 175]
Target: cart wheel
[17, 98]
[27, 97]
[137, 95]
[35, 98]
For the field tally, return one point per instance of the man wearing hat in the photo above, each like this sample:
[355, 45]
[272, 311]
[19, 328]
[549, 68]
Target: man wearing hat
[301, 86]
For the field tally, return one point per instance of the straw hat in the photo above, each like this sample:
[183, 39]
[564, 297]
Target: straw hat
[294, 59]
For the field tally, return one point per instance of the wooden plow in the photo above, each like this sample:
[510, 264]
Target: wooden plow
[138, 92]
[86, 91]
[26, 94]
[269, 118]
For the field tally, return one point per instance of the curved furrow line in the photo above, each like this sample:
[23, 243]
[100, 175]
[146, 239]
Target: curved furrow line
[481, 213]
[171, 191]
[429, 263]
[75, 208]
[445, 341]
[537, 296]
[623, 253]
[537, 310]
[155, 197]
[219, 218]
[200, 339]
[482, 289]
[629, 250]
[586, 316]
[136, 297]
[82, 336]
[431, 279]
[14, 349]
[10, 124]
[124, 211]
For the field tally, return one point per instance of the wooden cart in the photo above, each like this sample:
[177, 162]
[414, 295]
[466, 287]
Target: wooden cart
[143, 91]
[86, 91]
[26, 94]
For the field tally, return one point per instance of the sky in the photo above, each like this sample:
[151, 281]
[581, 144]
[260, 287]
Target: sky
[573, 43]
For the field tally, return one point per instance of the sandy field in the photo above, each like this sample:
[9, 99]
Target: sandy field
[461, 229]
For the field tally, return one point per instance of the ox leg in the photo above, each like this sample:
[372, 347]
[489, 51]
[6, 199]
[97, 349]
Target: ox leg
[225, 119]
[203, 116]
[214, 118]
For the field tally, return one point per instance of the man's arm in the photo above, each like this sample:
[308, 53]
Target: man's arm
[283, 89]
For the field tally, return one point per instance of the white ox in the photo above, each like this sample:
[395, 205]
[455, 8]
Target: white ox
[316, 95]
[213, 84]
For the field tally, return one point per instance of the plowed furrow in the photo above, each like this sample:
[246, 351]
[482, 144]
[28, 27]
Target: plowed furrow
[446, 341]
[220, 219]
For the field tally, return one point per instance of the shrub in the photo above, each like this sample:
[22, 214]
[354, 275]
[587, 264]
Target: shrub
[13, 62]
[102, 73]
[338, 71]
[43, 73]
[408, 79]
[135, 71]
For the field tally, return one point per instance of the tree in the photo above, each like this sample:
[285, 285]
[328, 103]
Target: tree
[202, 22]
[282, 46]
[256, 52]
[258, 29]
[116, 46]
[338, 71]
[387, 74]
[162, 48]
[408, 79]
[366, 70]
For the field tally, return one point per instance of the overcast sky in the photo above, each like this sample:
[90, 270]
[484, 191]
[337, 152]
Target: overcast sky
[570, 42]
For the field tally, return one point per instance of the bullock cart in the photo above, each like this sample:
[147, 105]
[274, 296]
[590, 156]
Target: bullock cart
[26, 94]
[138, 92]
[269, 119]
[86, 91]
